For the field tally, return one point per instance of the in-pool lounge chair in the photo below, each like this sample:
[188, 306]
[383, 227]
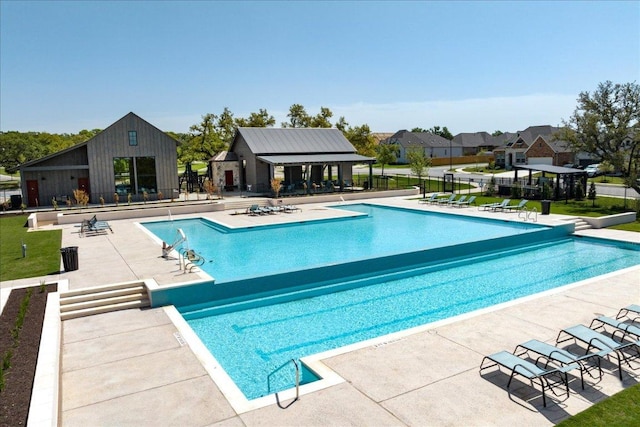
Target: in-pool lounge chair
[633, 308]
[620, 327]
[517, 207]
[602, 342]
[562, 356]
[494, 206]
[529, 370]
[466, 202]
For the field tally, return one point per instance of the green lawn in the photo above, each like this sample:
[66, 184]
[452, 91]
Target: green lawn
[621, 409]
[43, 249]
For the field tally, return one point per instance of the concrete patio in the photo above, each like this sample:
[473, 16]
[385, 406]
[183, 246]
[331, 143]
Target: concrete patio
[133, 367]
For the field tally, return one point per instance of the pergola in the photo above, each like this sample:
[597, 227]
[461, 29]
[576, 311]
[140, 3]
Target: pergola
[567, 175]
[308, 161]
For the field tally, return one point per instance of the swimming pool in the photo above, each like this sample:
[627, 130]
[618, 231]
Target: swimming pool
[370, 232]
[267, 334]
[279, 308]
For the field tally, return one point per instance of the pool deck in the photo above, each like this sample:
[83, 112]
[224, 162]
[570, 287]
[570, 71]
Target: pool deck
[131, 367]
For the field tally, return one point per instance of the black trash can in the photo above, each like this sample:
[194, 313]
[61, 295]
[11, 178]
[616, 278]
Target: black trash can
[16, 201]
[546, 206]
[70, 258]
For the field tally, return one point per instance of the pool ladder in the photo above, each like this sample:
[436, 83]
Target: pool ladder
[295, 364]
[527, 214]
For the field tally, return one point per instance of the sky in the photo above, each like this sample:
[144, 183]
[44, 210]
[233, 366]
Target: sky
[468, 65]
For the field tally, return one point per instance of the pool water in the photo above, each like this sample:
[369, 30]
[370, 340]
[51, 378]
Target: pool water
[372, 232]
[255, 340]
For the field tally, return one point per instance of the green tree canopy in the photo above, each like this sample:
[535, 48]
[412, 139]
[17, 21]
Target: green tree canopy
[298, 117]
[606, 124]
[386, 154]
[444, 132]
[261, 119]
[418, 161]
[361, 139]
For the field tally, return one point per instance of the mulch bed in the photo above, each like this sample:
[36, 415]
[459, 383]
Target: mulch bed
[16, 396]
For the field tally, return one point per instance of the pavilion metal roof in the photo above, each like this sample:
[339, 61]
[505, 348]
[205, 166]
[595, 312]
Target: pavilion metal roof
[266, 141]
[309, 159]
[550, 169]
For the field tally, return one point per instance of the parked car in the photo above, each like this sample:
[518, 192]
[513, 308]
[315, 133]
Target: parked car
[593, 170]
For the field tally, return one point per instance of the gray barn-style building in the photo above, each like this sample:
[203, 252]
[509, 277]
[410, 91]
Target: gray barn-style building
[312, 158]
[130, 157]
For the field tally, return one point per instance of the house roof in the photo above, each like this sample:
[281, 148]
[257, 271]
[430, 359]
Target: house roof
[266, 141]
[224, 156]
[420, 139]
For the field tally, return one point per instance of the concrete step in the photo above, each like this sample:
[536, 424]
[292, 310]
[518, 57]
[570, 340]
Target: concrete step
[580, 224]
[103, 299]
[104, 309]
[98, 302]
[67, 299]
[98, 289]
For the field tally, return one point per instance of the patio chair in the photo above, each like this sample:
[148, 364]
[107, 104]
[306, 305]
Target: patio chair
[599, 341]
[517, 207]
[431, 199]
[466, 202]
[461, 199]
[291, 209]
[494, 206]
[624, 312]
[445, 200]
[93, 225]
[623, 328]
[562, 356]
[529, 370]
[254, 210]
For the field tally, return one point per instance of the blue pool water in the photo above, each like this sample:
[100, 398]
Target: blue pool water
[254, 343]
[462, 264]
[373, 232]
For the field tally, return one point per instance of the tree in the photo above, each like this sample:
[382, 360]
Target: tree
[606, 124]
[497, 133]
[298, 117]
[387, 153]
[261, 119]
[444, 132]
[360, 137]
[205, 141]
[225, 127]
[321, 120]
[418, 161]
[418, 130]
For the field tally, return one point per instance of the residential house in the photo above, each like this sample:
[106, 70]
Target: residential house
[433, 146]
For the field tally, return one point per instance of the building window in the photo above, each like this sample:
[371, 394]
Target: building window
[133, 137]
[146, 175]
[520, 158]
[122, 172]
